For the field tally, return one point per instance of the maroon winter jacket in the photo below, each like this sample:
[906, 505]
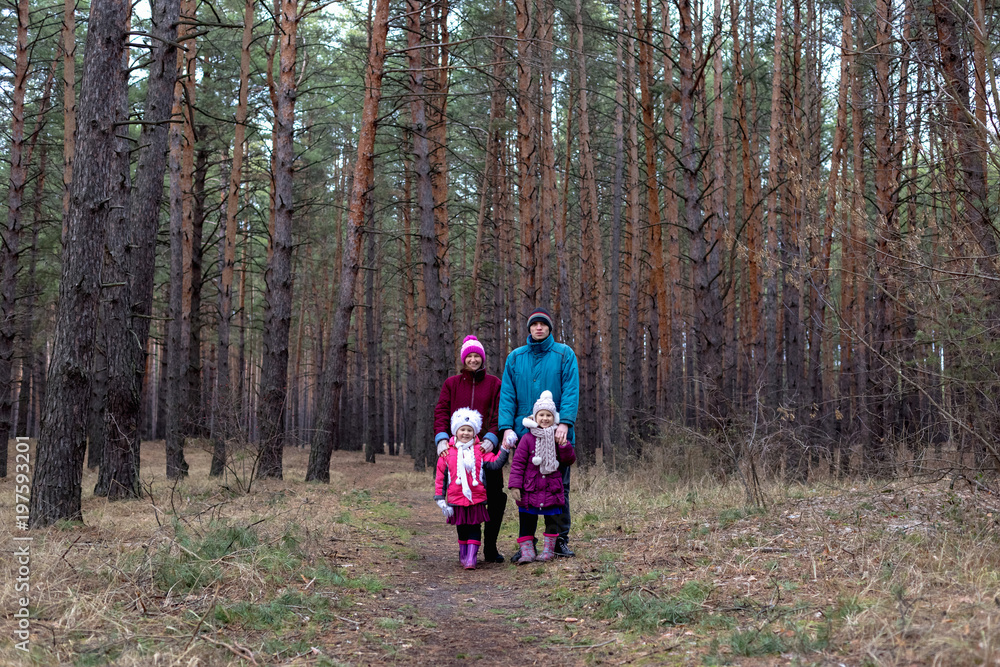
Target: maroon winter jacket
[538, 490]
[479, 391]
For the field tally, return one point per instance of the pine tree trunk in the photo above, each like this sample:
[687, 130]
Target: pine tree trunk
[197, 416]
[660, 345]
[373, 440]
[880, 373]
[971, 146]
[19, 158]
[29, 366]
[821, 280]
[177, 331]
[412, 333]
[547, 200]
[528, 159]
[133, 262]
[425, 204]
[617, 196]
[771, 334]
[592, 269]
[633, 398]
[673, 362]
[437, 123]
[100, 191]
[225, 404]
[278, 277]
[333, 380]
[564, 302]
[68, 38]
[721, 379]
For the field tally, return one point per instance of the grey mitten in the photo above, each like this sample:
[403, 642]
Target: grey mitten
[487, 446]
[445, 509]
[442, 446]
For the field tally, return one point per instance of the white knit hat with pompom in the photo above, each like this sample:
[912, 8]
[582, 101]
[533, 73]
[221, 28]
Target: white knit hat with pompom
[544, 402]
[466, 417]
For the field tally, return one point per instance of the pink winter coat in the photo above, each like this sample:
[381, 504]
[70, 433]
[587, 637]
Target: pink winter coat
[447, 485]
[538, 490]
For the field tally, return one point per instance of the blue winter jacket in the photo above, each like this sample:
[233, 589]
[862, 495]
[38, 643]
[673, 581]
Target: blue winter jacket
[530, 370]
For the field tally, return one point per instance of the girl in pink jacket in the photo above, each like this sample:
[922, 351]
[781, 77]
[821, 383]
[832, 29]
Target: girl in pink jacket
[459, 489]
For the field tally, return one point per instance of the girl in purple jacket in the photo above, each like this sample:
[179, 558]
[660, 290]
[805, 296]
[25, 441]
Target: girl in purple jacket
[535, 481]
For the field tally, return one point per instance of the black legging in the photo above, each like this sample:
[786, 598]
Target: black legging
[470, 531]
[562, 520]
[496, 504]
[529, 524]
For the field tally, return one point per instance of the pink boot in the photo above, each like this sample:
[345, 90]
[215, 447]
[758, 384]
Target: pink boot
[472, 551]
[548, 547]
[527, 545]
[463, 550]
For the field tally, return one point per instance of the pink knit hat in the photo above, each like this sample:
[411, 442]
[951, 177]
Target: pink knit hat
[471, 344]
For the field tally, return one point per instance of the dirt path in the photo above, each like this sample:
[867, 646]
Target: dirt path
[496, 614]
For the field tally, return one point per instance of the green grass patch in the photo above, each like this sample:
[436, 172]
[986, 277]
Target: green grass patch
[386, 511]
[728, 517]
[642, 609]
[335, 578]
[275, 614]
[100, 655]
[807, 637]
[847, 607]
[195, 562]
[750, 643]
[358, 496]
[389, 623]
[282, 649]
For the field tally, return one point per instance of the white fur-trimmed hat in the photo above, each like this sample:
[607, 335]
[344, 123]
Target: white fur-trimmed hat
[466, 417]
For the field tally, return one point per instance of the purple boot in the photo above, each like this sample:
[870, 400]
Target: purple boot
[463, 549]
[471, 552]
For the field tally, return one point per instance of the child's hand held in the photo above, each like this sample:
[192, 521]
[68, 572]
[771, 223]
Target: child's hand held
[516, 495]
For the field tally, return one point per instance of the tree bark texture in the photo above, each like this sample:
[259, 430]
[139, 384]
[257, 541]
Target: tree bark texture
[99, 192]
[225, 403]
[333, 381]
[19, 159]
[131, 258]
[278, 278]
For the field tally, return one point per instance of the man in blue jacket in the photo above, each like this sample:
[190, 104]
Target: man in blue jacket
[531, 369]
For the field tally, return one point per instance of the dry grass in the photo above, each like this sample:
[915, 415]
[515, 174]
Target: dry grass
[856, 573]
[133, 585]
[668, 571]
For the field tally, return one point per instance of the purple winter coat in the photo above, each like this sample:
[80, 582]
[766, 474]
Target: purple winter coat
[538, 490]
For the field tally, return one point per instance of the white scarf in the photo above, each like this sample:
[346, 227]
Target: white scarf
[465, 461]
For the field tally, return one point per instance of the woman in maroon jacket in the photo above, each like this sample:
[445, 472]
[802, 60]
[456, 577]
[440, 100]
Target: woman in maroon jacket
[474, 388]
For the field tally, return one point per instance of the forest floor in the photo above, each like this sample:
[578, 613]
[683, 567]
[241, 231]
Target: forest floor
[364, 571]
